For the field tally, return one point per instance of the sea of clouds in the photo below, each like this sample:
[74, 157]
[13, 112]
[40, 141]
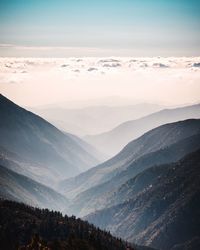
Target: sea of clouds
[157, 79]
[100, 65]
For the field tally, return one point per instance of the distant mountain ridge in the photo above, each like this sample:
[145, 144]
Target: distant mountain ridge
[114, 140]
[88, 120]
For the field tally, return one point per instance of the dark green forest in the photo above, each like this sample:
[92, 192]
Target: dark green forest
[24, 227]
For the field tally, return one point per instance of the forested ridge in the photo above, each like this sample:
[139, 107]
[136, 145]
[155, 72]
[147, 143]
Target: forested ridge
[24, 227]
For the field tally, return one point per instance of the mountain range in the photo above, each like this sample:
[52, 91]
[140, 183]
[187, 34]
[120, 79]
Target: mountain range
[112, 141]
[148, 193]
[155, 140]
[88, 120]
[100, 196]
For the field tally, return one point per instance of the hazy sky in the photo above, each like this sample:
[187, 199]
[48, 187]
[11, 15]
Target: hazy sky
[94, 28]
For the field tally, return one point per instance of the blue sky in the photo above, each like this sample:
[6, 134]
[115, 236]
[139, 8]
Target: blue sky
[139, 27]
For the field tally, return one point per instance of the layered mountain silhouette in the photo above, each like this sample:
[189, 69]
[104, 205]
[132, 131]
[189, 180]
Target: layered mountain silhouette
[114, 140]
[45, 151]
[157, 139]
[100, 196]
[147, 194]
[161, 207]
[88, 120]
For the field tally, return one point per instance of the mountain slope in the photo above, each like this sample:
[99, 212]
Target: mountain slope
[107, 194]
[25, 167]
[41, 144]
[114, 140]
[165, 212]
[24, 227]
[20, 188]
[152, 141]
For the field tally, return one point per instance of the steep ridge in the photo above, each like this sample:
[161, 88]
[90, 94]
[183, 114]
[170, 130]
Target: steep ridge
[152, 141]
[101, 196]
[162, 207]
[114, 140]
[47, 150]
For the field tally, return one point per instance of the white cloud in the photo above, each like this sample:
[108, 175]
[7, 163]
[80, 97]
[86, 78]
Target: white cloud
[52, 80]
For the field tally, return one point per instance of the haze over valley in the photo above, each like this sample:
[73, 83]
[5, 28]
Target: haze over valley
[49, 168]
[121, 161]
[100, 125]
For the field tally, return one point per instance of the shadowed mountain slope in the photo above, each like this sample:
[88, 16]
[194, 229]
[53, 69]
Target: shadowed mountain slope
[162, 207]
[106, 194]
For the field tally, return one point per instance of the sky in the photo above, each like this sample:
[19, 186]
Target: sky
[60, 28]
[152, 48]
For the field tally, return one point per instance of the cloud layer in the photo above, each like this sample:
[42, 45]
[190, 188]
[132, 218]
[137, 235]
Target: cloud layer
[48, 80]
[20, 65]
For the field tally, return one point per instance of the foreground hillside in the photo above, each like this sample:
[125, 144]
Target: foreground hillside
[161, 207]
[24, 227]
[46, 154]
